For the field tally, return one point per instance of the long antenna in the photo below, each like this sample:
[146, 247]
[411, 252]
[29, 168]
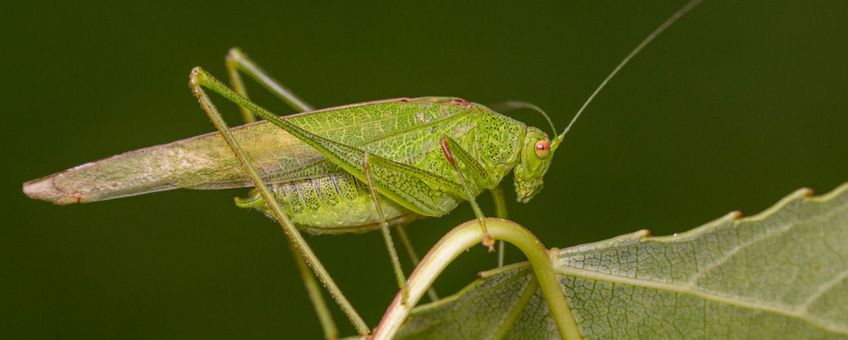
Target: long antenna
[662, 27]
[517, 105]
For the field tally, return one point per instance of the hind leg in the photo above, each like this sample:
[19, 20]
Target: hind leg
[236, 61]
[200, 80]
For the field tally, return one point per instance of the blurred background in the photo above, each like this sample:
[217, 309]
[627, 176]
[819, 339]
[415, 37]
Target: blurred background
[736, 106]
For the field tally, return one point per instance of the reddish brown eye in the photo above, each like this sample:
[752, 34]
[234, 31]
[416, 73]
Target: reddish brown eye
[543, 148]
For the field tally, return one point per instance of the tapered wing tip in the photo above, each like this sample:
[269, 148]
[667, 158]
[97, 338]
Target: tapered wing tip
[44, 189]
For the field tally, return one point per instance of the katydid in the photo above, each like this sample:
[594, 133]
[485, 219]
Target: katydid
[326, 193]
[349, 168]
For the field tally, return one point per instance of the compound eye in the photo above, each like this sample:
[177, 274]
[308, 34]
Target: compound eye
[543, 148]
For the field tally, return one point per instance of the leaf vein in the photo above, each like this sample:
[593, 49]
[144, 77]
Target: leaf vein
[735, 301]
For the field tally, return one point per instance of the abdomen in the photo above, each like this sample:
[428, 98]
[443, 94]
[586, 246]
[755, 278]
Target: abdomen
[334, 203]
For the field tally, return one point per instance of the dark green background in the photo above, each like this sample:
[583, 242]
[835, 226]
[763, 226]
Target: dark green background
[738, 105]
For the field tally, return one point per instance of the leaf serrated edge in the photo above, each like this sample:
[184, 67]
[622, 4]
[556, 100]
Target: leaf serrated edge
[734, 216]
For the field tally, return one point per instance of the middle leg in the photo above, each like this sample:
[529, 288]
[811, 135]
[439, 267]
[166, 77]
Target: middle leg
[413, 256]
[387, 236]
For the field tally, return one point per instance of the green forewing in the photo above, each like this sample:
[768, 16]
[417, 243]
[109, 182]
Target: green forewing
[402, 130]
[396, 129]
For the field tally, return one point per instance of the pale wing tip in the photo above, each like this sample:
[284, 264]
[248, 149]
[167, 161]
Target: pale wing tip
[44, 189]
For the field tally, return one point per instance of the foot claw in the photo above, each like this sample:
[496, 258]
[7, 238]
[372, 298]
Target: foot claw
[489, 242]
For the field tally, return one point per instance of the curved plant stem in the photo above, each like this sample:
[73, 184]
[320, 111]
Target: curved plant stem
[468, 235]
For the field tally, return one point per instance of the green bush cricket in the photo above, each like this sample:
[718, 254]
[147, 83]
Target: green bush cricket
[350, 168]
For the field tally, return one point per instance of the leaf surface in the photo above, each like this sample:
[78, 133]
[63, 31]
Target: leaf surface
[780, 274]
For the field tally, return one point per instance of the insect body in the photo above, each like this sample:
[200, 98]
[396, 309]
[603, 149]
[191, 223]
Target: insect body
[316, 193]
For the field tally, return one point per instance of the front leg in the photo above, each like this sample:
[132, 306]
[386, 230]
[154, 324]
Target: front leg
[452, 151]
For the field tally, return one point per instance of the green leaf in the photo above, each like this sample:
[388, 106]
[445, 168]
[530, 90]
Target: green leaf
[780, 274]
